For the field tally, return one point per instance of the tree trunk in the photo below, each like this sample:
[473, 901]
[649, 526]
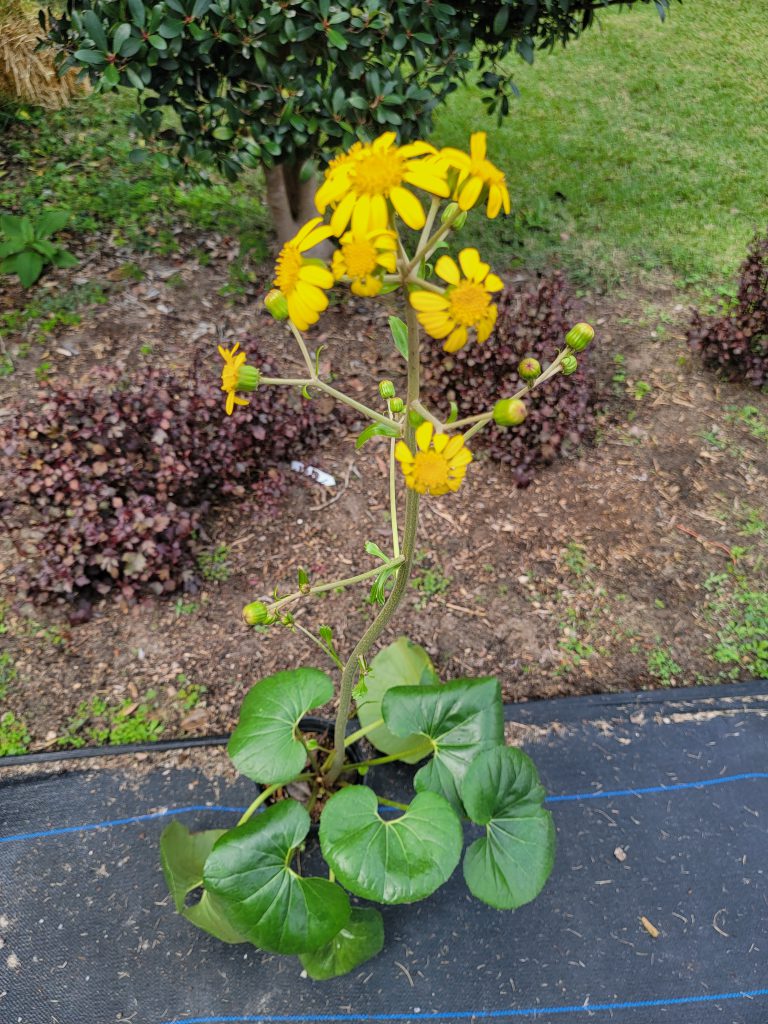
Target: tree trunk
[291, 202]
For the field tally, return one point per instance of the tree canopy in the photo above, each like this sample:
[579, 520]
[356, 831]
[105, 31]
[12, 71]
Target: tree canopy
[280, 81]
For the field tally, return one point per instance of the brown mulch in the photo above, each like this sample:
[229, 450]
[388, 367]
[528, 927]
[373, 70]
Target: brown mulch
[562, 588]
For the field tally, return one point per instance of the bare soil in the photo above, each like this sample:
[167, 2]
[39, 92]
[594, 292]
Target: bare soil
[654, 505]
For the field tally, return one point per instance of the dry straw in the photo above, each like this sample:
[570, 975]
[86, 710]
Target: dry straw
[27, 76]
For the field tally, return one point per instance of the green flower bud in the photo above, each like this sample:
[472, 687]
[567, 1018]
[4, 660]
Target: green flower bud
[248, 378]
[452, 210]
[276, 304]
[396, 404]
[509, 412]
[579, 337]
[386, 389]
[529, 368]
[569, 364]
[257, 614]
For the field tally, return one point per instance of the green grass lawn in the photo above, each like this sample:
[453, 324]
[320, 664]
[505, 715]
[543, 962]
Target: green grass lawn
[641, 145]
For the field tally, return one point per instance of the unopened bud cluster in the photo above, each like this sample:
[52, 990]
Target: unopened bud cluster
[276, 304]
[509, 412]
[579, 337]
[257, 614]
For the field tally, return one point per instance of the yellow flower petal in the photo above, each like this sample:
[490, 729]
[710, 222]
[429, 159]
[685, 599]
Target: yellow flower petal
[424, 435]
[462, 458]
[299, 313]
[456, 340]
[436, 328]
[342, 213]
[320, 276]
[306, 230]
[408, 206]
[477, 145]
[379, 214]
[493, 283]
[361, 214]
[440, 442]
[470, 261]
[422, 177]
[453, 446]
[447, 269]
[470, 193]
[456, 158]
[427, 301]
[494, 203]
[230, 407]
[403, 453]
[315, 237]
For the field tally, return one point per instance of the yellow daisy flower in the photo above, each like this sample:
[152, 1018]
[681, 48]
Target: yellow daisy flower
[438, 465]
[364, 257]
[464, 307]
[229, 374]
[301, 280]
[476, 174]
[361, 186]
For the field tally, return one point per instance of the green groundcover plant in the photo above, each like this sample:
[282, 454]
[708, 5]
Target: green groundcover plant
[26, 245]
[248, 881]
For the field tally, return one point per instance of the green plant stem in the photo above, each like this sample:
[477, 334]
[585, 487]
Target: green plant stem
[296, 381]
[341, 397]
[423, 411]
[320, 644]
[391, 803]
[483, 422]
[434, 206]
[423, 749]
[376, 628]
[348, 581]
[427, 285]
[424, 251]
[265, 794]
[355, 736]
[393, 495]
[303, 348]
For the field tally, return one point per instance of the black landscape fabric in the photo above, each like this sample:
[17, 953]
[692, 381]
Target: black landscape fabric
[657, 910]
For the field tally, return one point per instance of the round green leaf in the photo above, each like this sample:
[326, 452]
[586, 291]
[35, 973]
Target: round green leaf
[400, 664]
[264, 746]
[510, 864]
[459, 721]
[183, 854]
[398, 860]
[361, 938]
[263, 897]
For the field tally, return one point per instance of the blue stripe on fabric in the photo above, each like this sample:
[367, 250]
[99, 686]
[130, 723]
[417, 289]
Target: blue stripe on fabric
[533, 1011]
[644, 791]
[117, 821]
[563, 798]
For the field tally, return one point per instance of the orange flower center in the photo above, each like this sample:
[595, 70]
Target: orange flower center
[468, 303]
[360, 258]
[287, 270]
[377, 172]
[431, 470]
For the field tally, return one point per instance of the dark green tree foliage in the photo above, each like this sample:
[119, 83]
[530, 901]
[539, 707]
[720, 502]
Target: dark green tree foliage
[255, 82]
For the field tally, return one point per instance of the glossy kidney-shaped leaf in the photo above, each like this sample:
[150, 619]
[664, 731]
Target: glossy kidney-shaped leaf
[361, 938]
[392, 861]
[264, 746]
[183, 854]
[264, 899]
[510, 864]
[459, 721]
[400, 664]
